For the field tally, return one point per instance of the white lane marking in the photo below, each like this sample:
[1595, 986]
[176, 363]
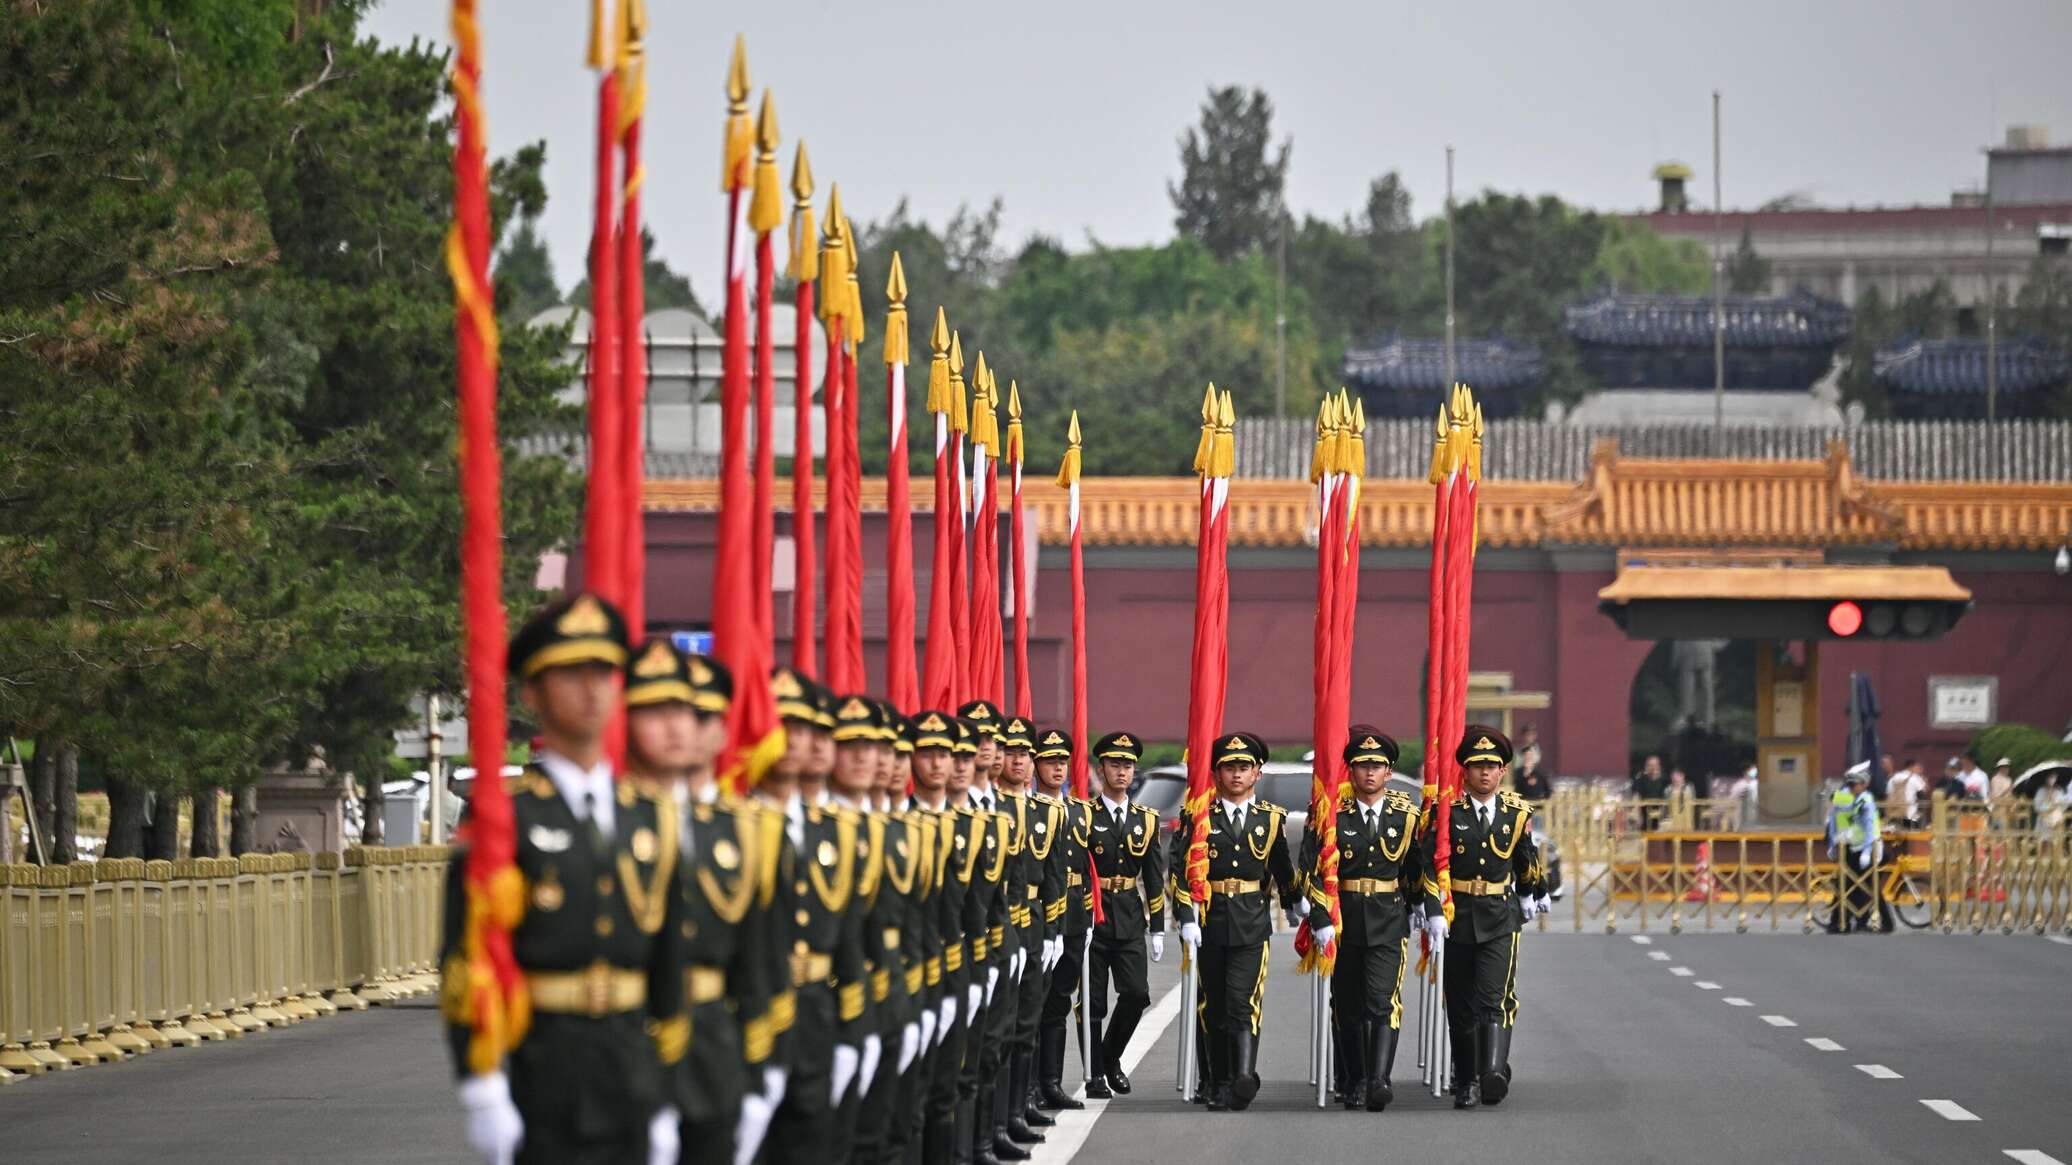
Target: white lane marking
[1075, 1125]
[1950, 1110]
[2062, 941]
[1780, 1021]
[1659, 956]
[1706, 985]
[1823, 1044]
[1735, 1001]
[1642, 939]
[2032, 1157]
[1878, 1072]
[1682, 972]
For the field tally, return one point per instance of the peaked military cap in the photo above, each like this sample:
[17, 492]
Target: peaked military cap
[930, 730]
[574, 629]
[892, 722]
[1482, 744]
[1240, 746]
[796, 695]
[1119, 746]
[1052, 743]
[983, 717]
[1366, 744]
[658, 674]
[858, 718]
[712, 685]
[1018, 733]
[967, 737]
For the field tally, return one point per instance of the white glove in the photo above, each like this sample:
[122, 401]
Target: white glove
[1057, 953]
[1190, 934]
[873, 1051]
[774, 1081]
[1541, 904]
[756, 1111]
[846, 1061]
[495, 1130]
[1435, 925]
[973, 997]
[1021, 963]
[927, 1030]
[992, 981]
[664, 1141]
[1321, 937]
[949, 1019]
[910, 1041]
[1157, 947]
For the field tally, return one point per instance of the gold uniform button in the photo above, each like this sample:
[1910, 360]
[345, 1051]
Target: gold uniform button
[604, 886]
[803, 917]
[604, 927]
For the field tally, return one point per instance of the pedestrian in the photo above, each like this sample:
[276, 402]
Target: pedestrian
[1648, 787]
[1494, 882]
[1910, 794]
[1976, 785]
[600, 939]
[1053, 756]
[1126, 857]
[1531, 780]
[2001, 785]
[1854, 839]
[1680, 804]
[1248, 861]
[1377, 889]
[1881, 781]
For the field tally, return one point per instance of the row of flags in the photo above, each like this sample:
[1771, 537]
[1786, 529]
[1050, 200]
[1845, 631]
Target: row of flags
[965, 648]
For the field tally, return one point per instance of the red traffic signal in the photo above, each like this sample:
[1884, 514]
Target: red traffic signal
[1845, 619]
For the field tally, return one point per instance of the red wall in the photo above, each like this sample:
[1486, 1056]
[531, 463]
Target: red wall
[1532, 620]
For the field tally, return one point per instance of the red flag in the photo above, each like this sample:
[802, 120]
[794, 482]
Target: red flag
[902, 686]
[496, 1004]
[1082, 740]
[632, 307]
[604, 513]
[1018, 571]
[805, 267]
[844, 496]
[1209, 670]
[1327, 684]
[845, 664]
[960, 538]
[985, 542]
[938, 680]
[1456, 466]
[754, 736]
[765, 211]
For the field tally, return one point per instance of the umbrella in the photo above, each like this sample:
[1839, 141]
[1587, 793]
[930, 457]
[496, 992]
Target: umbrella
[2025, 785]
[1863, 729]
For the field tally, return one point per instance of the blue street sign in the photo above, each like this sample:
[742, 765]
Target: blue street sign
[697, 642]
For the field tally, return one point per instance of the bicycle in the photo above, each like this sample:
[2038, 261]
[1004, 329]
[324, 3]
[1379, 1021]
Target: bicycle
[1904, 890]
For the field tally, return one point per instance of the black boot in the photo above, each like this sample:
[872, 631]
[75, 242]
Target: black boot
[938, 1140]
[1381, 1059]
[1025, 1090]
[1051, 1088]
[1096, 1081]
[1244, 1075]
[1349, 1056]
[985, 1139]
[1494, 1043]
[1121, 1026]
[1466, 1060]
[1007, 1109]
[1216, 1079]
[967, 1116]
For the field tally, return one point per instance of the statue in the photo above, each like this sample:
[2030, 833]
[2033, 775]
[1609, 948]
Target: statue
[1697, 665]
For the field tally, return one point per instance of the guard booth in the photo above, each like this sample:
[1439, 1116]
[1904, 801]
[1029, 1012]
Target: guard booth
[1788, 602]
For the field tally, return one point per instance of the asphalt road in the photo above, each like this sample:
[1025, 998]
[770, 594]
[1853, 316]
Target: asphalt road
[1619, 1057]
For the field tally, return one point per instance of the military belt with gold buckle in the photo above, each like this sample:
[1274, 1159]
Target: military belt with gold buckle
[1033, 893]
[599, 989]
[1072, 878]
[1118, 885]
[811, 967]
[1367, 886]
[1482, 888]
[705, 984]
[1234, 886]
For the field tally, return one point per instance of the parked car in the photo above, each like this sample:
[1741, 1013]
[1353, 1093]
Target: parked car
[1284, 783]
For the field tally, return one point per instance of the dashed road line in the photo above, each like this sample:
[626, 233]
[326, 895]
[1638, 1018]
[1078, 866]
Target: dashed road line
[1659, 956]
[1950, 1110]
[1682, 972]
[1706, 985]
[2062, 941]
[2032, 1157]
[1823, 1044]
[1780, 1021]
[1735, 1001]
[1878, 1072]
[1642, 939]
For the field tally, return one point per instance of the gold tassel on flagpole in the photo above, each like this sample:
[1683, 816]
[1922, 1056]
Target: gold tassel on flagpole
[804, 264]
[939, 364]
[765, 203]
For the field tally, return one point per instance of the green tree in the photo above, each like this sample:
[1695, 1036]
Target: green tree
[1633, 258]
[1231, 174]
[1365, 275]
[1748, 273]
[525, 283]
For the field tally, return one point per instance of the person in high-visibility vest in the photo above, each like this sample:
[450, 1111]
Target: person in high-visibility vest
[1853, 836]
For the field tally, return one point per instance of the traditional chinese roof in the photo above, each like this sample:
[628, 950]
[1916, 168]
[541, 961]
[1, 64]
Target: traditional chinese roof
[1957, 366]
[1419, 364]
[1798, 320]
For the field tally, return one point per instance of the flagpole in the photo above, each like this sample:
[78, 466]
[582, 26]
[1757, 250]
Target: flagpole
[603, 512]
[632, 307]
[985, 538]
[846, 663]
[844, 568]
[900, 683]
[765, 212]
[804, 269]
[1068, 478]
[960, 594]
[1018, 570]
[937, 686]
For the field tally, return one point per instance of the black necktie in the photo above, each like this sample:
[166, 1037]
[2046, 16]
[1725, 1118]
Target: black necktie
[599, 848]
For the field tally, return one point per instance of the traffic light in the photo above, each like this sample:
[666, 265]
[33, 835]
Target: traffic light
[1874, 619]
[1825, 601]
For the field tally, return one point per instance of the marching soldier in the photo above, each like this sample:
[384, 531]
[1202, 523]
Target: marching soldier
[1248, 860]
[1124, 839]
[1037, 883]
[984, 924]
[1377, 889]
[1053, 757]
[1497, 884]
[676, 709]
[601, 940]
[828, 967]
[933, 738]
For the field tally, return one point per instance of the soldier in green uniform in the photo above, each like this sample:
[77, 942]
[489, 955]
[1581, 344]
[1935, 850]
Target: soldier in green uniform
[1248, 861]
[1377, 887]
[601, 941]
[987, 847]
[828, 966]
[1053, 757]
[676, 707]
[1124, 839]
[931, 736]
[1020, 902]
[1040, 822]
[1497, 884]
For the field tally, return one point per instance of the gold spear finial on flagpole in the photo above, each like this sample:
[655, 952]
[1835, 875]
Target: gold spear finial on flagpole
[980, 406]
[1068, 471]
[854, 313]
[1015, 451]
[956, 395]
[1317, 465]
[939, 364]
[1439, 467]
[765, 202]
[834, 280]
[896, 314]
[740, 138]
[804, 264]
[1204, 446]
[1357, 464]
[1223, 458]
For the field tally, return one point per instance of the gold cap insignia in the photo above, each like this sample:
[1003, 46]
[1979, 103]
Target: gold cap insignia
[585, 617]
[980, 713]
[787, 685]
[1125, 741]
[700, 674]
[933, 723]
[1485, 742]
[1236, 742]
[1054, 738]
[1370, 742]
[855, 708]
[658, 660]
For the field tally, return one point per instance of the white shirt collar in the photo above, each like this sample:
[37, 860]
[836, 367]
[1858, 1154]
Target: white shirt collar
[577, 786]
[1114, 807]
[1230, 806]
[1481, 804]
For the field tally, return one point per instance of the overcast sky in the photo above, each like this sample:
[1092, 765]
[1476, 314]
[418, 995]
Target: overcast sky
[1069, 110]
